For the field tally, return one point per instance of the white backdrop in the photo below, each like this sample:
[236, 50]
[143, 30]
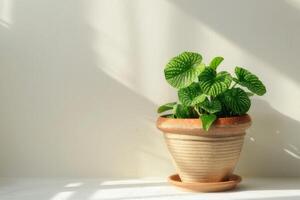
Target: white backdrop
[80, 82]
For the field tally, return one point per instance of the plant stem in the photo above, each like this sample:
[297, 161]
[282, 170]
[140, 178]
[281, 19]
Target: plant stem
[234, 85]
[196, 109]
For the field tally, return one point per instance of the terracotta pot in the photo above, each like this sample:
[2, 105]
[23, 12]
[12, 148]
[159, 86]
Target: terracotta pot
[204, 156]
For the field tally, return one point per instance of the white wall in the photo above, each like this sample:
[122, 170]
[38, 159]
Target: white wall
[80, 82]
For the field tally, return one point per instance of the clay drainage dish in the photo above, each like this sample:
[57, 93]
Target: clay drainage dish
[206, 187]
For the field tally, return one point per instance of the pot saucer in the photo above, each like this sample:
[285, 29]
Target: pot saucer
[206, 187]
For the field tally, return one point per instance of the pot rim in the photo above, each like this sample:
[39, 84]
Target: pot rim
[194, 125]
[219, 121]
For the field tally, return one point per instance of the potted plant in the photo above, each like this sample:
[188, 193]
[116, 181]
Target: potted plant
[205, 129]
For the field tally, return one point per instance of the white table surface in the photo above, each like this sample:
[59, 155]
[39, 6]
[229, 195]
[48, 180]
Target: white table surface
[148, 188]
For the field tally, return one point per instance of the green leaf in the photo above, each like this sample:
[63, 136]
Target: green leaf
[213, 83]
[211, 106]
[216, 62]
[250, 81]
[198, 99]
[182, 111]
[207, 120]
[237, 101]
[191, 95]
[183, 69]
[165, 107]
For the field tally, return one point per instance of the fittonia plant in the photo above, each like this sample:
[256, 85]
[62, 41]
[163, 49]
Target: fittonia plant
[207, 94]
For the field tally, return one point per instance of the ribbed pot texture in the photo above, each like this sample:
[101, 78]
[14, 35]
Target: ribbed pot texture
[204, 156]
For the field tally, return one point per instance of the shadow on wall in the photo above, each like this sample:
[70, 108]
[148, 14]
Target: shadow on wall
[61, 114]
[272, 146]
[266, 29]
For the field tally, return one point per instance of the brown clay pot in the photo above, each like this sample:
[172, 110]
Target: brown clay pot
[204, 156]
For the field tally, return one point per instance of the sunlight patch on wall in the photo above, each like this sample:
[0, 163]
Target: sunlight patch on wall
[6, 13]
[294, 3]
[117, 40]
[294, 155]
[134, 50]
